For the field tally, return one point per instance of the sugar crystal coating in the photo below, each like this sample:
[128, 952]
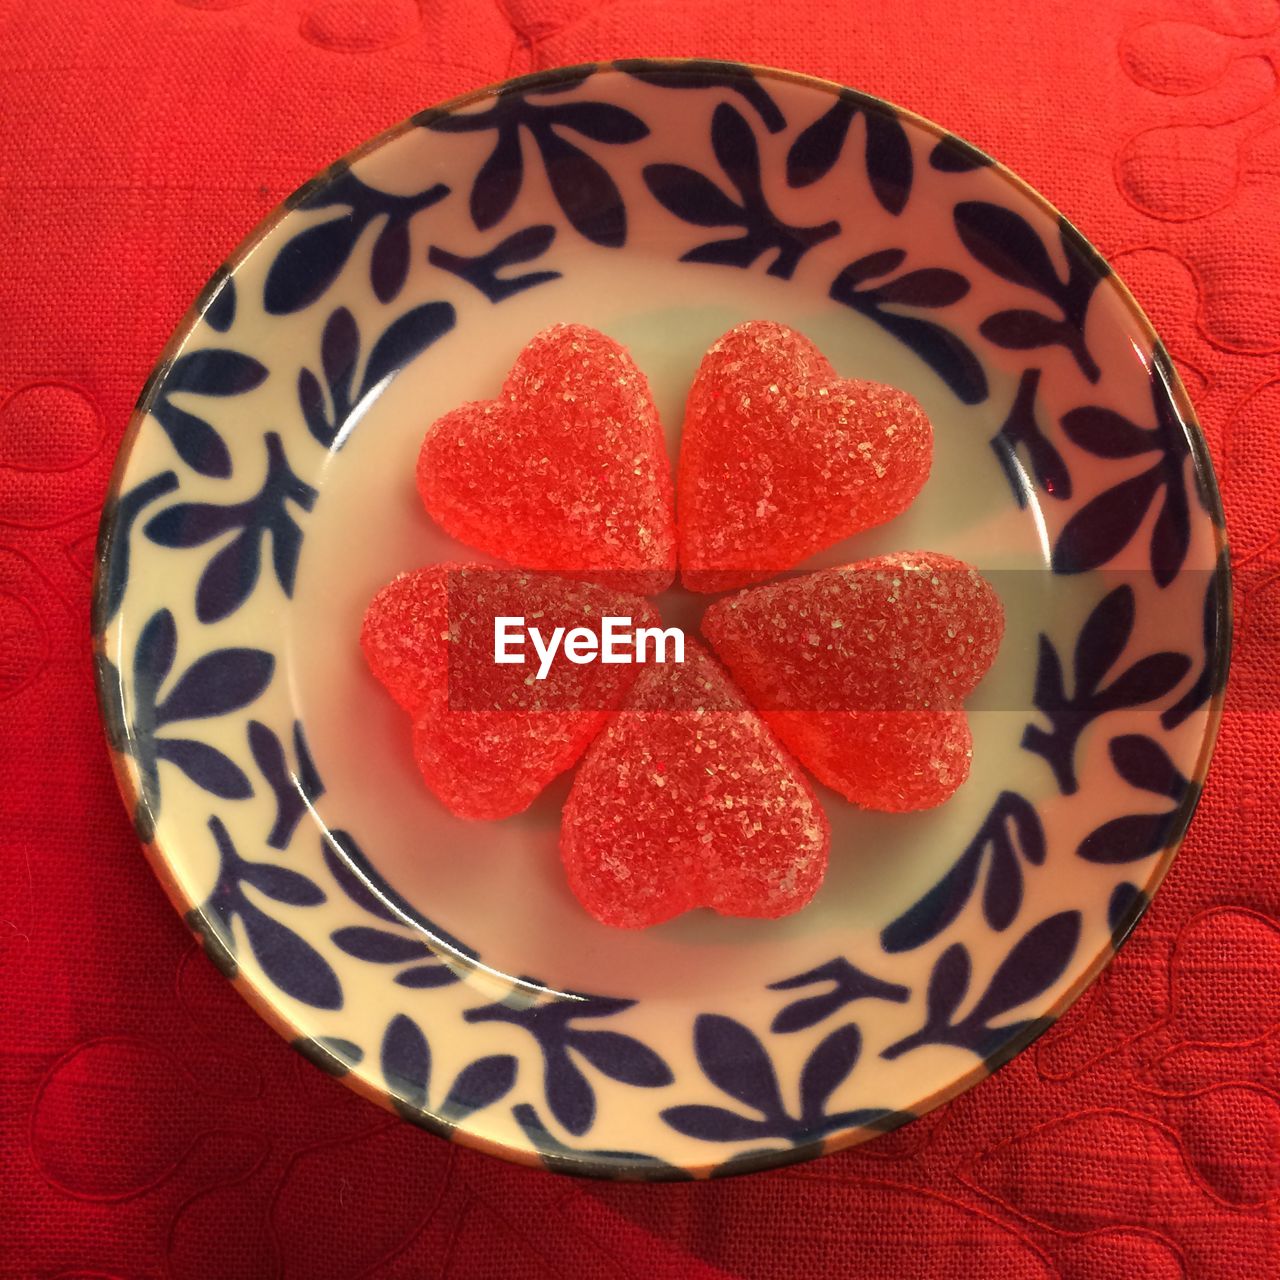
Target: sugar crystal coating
[862, 670]
[488, 738]
[566, 470]
[687, 800]
[781, 458]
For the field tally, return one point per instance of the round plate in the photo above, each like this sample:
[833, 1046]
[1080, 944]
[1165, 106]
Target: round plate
[265, 491]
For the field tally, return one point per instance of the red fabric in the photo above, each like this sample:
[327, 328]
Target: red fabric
[149, 1123]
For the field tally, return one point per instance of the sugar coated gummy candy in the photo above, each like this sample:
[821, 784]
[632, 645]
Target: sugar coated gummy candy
[862, 671]
[781, 458]
[487, 737]
[687, 800]
[565, 471]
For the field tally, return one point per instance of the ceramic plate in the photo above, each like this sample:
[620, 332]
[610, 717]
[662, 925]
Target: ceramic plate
[265, 492]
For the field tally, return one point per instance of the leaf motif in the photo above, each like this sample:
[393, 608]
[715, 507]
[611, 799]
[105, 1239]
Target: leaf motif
[929, 287]
[220, 310]
[404, 340]
[622, 1058]
[585, 191]
[1037, 961]
[309, 263]
[946, 354]
[691, 196]
[599, 121]
[426, 976]
[817, 146]
[735, 148]
[291, 962]
[1103, 638]
[928, 917]
[194, 440]
[497, 184]
[215, 371]
[1142, 762]
[389, 263]
[217, 683]
[191, 524]
[569, 1095]
[1006, 244]
[1002, 895]
[740, 252]
[286, 548]
[1127, 839]
[378, 946]
[406, 1061]
[1170, 536]
[314, 411]
[1105, 525]
[229, 578]
[713, 1124]
[480, 1084]
[951, 155]
[206, 766]
[828, 1067]
[868, 267]
[339, 351]
[1148, 679]
[700, 74]
[1023, 330]
[339, 861]
[1107, 434]
[153, 657]
[948, 984]
[734, 1060]
[282, 884]
[119, 517]
[890, 166]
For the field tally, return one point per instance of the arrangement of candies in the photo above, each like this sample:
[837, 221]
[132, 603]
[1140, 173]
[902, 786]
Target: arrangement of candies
[688, 793]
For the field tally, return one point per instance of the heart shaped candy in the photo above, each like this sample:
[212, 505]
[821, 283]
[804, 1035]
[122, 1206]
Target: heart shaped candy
[781, 458]
[489, 737]
[566, 470]
[687, 800]
[862, 671]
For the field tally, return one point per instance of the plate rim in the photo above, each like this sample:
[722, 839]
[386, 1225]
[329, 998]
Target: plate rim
[581, 1164]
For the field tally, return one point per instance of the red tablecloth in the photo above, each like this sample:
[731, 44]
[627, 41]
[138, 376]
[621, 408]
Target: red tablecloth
[149, 1123]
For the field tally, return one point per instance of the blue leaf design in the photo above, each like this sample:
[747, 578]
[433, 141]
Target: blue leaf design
[282, 884]
[713, 1124]
[379, 946]
[848, 984]
[683, 191]
[216, 683]
[220, 310]
[1101, 642]
[827, 1068]
[622, 1058]
[696, 74]
[1007, 245]
[479, 1084]
[1021, 431]
[1010, 831]
[309, 262]
[733, 1059]
[406, 1063]
[942, 350]
[118, 519]
[293, 791]
[404, 340]
[481, 271]
[206, 766]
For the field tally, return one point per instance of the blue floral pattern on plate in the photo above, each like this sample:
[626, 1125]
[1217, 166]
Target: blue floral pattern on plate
[468, 228]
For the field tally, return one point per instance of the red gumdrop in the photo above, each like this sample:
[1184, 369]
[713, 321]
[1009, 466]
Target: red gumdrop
[565, 471]
[489, 737]
[781, 458]
[862, 670]
[687, 800]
